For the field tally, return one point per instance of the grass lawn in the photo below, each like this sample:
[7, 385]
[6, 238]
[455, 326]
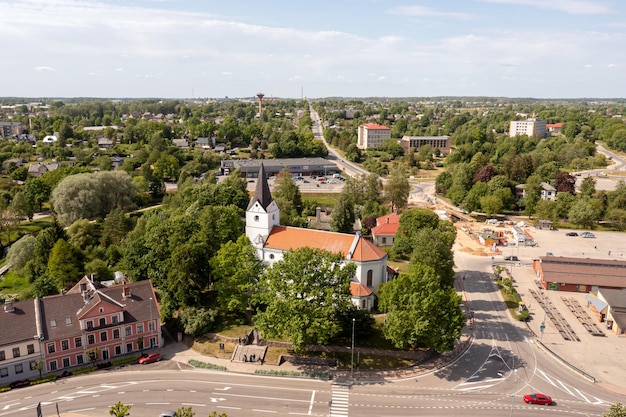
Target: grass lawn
[12, 284]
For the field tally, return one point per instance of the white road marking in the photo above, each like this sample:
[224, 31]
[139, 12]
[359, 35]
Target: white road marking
[82, 409]
[264, 411]
[194, 404]
[230, 408]
[6, 407]
[312, 401]
[223, 389]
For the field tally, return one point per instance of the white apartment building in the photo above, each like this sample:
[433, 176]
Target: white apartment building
[371, 135]
[528, 127]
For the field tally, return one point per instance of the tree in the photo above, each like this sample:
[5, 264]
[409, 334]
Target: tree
[115, 227]
[303, 293]
[484, 174]
[582, 213]
[197, 321]
[21, 252]
[288, 197]
[120, 410]
[588, 187]
[419, 312]
[411, 221]
[235, 270]
[546, 210]
[565, 182]
[616, 410]
[342, 217]
[433, 247]
[82, 234]
[491, 204]
[532, 194]
[37, 191]
[22, 206]
[397, 190]
[615, 216]
[64, 263]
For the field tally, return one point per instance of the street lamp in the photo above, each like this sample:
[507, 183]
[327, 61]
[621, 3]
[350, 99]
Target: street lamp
[352, 359]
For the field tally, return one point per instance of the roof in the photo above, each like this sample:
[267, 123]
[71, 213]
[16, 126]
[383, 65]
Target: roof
[386, 225]
[615, 298]
[262, 193]
[547, 187]
[374, 126]
[560, 124]
[596, 302]
[291, 238]
[21, 322]
[600, 272]
[359, 290]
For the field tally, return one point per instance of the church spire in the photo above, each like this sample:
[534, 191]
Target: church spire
[262, 192]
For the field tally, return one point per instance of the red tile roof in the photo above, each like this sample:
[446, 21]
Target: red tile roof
[386, 225]
[560, 124]
[359, 290]
[375, 126]
[287, 238]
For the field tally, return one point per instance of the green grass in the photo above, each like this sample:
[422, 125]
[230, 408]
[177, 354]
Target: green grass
[13, 284]
[321, 199]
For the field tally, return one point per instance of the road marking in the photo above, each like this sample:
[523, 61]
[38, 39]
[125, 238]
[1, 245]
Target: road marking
[82, 409]
[339, 401]
[6, 407]
[214, 400]
[258, 397]
[582, 395]
[312, 401]
[230, 408]
[157, 403]
[223, 389]
[475, 388]
[194, 404]
[264, 411]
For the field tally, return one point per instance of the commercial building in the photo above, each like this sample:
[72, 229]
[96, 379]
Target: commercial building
[298, 166]
[528, 127]
[372, 135]
[559, 273]
[414, 143]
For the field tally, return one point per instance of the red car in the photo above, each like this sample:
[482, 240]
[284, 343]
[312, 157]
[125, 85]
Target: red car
[538, 399]
[149, 358]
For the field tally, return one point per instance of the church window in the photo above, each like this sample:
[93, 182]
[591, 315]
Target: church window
[370, 274]
[271, 256]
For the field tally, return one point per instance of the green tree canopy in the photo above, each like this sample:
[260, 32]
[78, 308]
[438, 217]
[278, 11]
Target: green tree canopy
[304, 294]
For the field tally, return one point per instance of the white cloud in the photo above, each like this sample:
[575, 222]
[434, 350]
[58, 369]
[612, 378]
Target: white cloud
[611, 66]
[568, 6]
[119, 69]
[422, 11]
[44, 68]
[381, 78]
[226, 73]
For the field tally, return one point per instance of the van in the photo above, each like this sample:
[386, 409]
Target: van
[336, 176]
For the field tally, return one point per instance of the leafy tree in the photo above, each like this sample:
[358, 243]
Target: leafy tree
[288, 197]
[37, 191]
[588, 187]
[19, 174]
[22, 206]
[100, 269]
[21, 252]
[532, 194]
[484, 174]
[411, 222]
[185, 412]
[616, 410]
[115, 227]
[582, 213]
[397, 190]
[120, 410]
[342, 217]
[197, 321]
[433, 247]
[491, 204]
[64, 263]
[235, 272]
[44, 285]
[615, 216]
[565, 182]
[564, 202]
[82, 234]
[419, 312]
[303, 293]
[546, 210]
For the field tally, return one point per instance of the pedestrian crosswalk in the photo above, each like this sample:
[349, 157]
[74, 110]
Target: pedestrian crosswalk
[339, 400]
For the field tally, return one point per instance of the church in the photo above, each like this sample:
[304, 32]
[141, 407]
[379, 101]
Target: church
[271, 240]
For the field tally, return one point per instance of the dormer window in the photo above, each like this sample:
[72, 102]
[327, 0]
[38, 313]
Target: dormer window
[68, 320]
[53, 323]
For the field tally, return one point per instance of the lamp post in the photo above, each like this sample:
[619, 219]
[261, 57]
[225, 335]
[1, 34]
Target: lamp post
[352, 358]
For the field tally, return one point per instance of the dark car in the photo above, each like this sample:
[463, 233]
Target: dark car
[19, 384]
[571, 234]
[538, 398]
[511, 258]
[149, 358]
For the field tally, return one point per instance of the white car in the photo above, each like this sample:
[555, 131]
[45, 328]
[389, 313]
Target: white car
[588, 235]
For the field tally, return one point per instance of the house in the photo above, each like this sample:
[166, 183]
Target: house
[39, 168]
[204, 143]
[89, 323]
[117, 161]
[372, 135]
[20, 347]
[385, 229]
[8, 129]
[16, 162]
[615, 311]
[105, 143]
[271, 240]
[554, 128]
[548, 192]
[181, 143]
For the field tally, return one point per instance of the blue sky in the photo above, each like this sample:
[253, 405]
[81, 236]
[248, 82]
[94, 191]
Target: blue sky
[349, 48]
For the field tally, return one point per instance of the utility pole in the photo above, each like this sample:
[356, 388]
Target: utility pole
[352, 358]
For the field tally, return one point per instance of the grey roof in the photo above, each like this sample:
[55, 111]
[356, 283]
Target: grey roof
[262, 192]
[597, 303]
[20, 324]
[615, 298]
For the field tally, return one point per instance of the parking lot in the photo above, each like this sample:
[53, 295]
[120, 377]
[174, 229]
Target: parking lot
[307, 184]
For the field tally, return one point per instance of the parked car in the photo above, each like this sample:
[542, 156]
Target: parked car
[571, 234]
[19, 384]
[168, 413]
[149, 358]
[511, 258]
[538, 398]
[588, 235]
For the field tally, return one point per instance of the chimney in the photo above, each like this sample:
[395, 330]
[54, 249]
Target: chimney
[8, 306]
[126, 292]
[387, 218]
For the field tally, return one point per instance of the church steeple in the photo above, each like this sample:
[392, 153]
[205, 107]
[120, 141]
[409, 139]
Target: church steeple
[262, 192]
[262, 213]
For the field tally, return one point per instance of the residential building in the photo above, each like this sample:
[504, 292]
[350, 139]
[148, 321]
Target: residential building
[271, 240]
[555, 128]
[614, 313]
[105, 143]
[372, 135]
[548, 192]
[528, 127]
[414, 143]
[20, 335]
[8, 129]
[39, 168]
[385, 230]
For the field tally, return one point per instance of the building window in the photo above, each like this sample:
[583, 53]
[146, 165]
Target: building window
[51, 348]
[53, 365]
[91, 339]
[30, 349]
[103, 322]
[256, 218]
[19, 368]
[140, 328]
[129, 331]
[129, 347]
[271, 256]
[384, 241]
[105, 354]
[118, 350]
[370, 274]
[151, 325]
[116, 333]
[89, 325]
[16, 352]
[4, 372]
[79, 359]
[114, 319]
[53, 323]
[66, 362]
[78, 342]
[33, 365]
[65, 344]
[68, 320]
[101, 310]
[2, 357]
[103, 336]
[83, 287]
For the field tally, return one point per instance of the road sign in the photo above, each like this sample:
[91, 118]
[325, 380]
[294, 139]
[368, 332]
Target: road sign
[542, 327]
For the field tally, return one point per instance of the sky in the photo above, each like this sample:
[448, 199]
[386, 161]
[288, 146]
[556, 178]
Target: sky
[315, 49]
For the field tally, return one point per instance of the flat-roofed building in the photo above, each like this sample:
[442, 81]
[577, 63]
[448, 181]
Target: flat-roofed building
[372, 135]
[528, 127]
[561, 273]
[414, 143]
[299, 166]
